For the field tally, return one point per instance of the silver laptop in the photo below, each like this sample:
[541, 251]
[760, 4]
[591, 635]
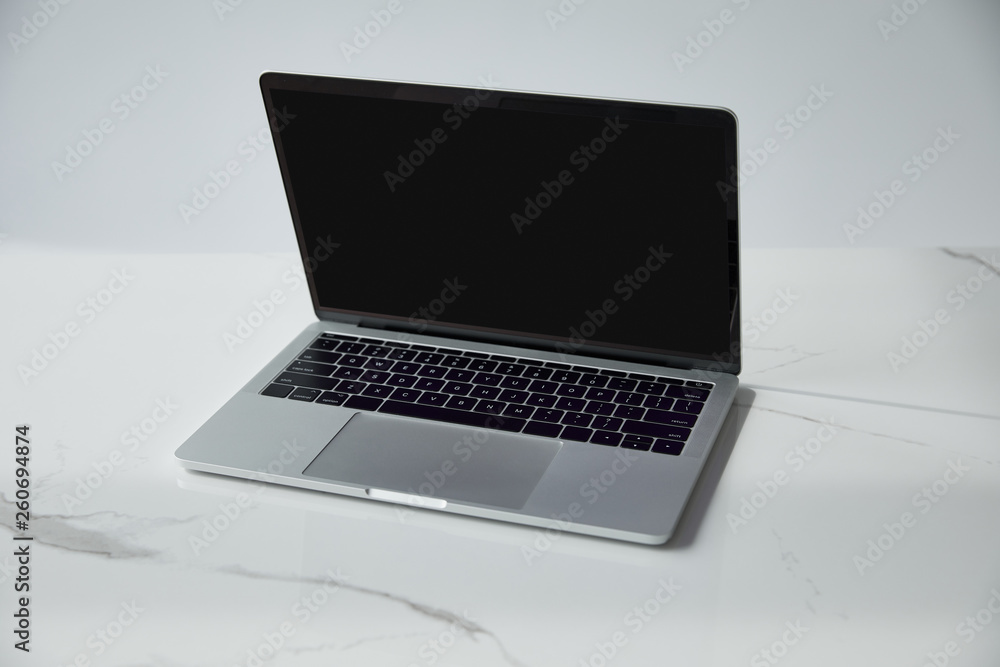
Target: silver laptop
[527, 305]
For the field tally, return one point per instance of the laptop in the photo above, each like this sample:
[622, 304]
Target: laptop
[527, 305]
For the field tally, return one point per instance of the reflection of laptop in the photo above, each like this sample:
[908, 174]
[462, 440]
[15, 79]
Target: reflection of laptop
[527, 304]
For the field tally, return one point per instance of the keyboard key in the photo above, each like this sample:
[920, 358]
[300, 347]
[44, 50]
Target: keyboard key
[571, 390]
[460, 388]
[482, 365]
[351, 387]
[649, 388]
[632, 441]
[402, 355]
[423, 348]
[707, 386]
[404, 367]
[600, 408]
[510, 369]
[671, 447]
[374, 376]
[332, 398]
[338, 336]
[404, 394]
[606, 438]
[451, 361]
[376, 351]
[370, 341]
[628, 398]
[355, 360]
[429, 358]
[529, 362]
[590, 380]
[629, 412]
[377, 364]
[462, 402]
[541, 400]
[433, 398]
[513, 396]
[611, 373]
[557, 365]
[428, 384]
[585, 369]
[491, 379]
[460, 375]
[398, 380]
[351, 348]
[641, 376]
[432, 371]
[511, 382]
[565, 376]
[501, 357]
[522, 411]
[671, 418]
[622, 384]
[542, 387]
[542, 428]
[363, 403]
[482, 391]
[377, 390]
[576, 419]
[479, 419]
[607, 423]
[576, 433]
[574, 404]
[304, 394]
[656, 430]
[277, 390]
[475, 355]
[669, 381]
[693, 407]
[319, 355]
[658, 402]
[600, 394]
[324, 344]
[303, 380]
[548, 415]
[492, 407]
[537, 373]
[687, 393]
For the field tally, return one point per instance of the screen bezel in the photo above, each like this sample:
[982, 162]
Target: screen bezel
[729, 362]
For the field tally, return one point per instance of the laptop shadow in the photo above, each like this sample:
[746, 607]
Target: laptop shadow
[704, 490]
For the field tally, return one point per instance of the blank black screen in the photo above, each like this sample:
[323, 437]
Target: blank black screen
[599, 223]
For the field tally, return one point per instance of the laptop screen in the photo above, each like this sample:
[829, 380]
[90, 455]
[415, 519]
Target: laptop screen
[589, 226]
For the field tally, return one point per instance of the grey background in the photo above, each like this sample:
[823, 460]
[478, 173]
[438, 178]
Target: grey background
[890, 95]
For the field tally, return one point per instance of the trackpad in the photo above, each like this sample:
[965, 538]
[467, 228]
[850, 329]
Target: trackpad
[460, 463]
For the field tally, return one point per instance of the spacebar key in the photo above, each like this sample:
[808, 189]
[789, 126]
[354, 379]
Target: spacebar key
[480, 419]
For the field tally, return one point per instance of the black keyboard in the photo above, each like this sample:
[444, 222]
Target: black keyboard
[493, 391]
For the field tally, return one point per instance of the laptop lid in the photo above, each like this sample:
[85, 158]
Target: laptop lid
[582, 225]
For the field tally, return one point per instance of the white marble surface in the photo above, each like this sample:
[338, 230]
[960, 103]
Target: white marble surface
[397, 587]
